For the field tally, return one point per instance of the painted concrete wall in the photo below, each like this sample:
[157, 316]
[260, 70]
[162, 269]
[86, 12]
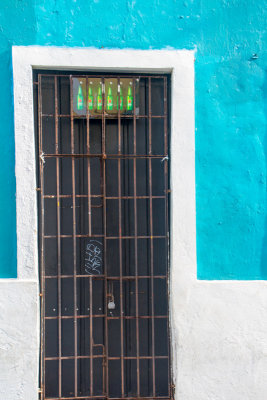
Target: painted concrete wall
[219, 328]
[231, 106]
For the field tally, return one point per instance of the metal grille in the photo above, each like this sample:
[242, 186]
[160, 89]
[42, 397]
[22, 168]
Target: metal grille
[104, 237]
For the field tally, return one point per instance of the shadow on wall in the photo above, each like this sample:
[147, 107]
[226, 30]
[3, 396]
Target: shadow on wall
[264, 243]
[8, 267]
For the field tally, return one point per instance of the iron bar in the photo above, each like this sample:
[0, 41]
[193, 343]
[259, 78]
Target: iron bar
[74, 247]
[106, 156]
[103, 166]
[125, 277]
[68, 196]
[42, 291]
[166, 187]
[106, 238]
[108, 116]
[102, 356]
[151, 240]
[58, 244]
[78, 76]
[109, 318]
[103, 398]
[136, 252]
[89, 233]
[120, 254]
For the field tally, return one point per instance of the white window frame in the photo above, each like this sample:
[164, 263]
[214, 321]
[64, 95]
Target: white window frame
[180, 64]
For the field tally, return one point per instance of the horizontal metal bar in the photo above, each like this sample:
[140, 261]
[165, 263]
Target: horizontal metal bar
[111, 398]
[73, 357]
[103, 315]
[131, 277]
[102, 356]
[141, 358]
[106, 156]
[103, 76]
[140, 317]
[71, 276]
[107, 116]
[87, 316]
[106, 237]
[68, 196]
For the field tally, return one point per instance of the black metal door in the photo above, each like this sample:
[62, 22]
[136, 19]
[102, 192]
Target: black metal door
[103, 229]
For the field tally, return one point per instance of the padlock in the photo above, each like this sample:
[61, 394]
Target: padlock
[111, 305]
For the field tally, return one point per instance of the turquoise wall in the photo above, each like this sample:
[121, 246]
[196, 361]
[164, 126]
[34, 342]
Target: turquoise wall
[231, 87]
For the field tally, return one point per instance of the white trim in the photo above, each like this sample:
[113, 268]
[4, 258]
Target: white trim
[181, 65]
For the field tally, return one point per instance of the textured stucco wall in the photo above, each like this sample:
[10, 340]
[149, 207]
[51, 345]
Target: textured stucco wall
[19, 338]
[230, 109]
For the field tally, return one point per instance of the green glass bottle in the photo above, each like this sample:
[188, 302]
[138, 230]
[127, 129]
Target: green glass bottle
[129, 100]
[90, 99]
[99, 101]
[80, 102]
[109, 100]
[120, 100]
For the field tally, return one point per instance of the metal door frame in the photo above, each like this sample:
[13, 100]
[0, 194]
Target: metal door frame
[164, 158]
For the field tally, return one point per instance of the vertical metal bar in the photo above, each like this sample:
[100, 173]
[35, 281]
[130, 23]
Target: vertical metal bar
[88, 161]
[41, 166]
[91, 335]
[151, 237]
[58, 245]
[105, 360]
[166, 187]
[136, 251]
[90, 233]
[120, 254]
[74, 244]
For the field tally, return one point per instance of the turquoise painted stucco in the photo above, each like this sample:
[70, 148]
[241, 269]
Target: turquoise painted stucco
[231, 90]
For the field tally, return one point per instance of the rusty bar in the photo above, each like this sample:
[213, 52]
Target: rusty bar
[108, 117]
[73, 357]
[166, 184]
[151, 239]
[102, 276]
[113, 398]
[91, 335]
[136, 252]
[58, 244]
[105, 361]
[74, 244]
[120, 252]
[108, 237]
[90, 233]
[140, 357]
[88, 161]
[116, 156]
[78, 316]
[100, 76]
[101, 356]
[66, 196]
[42, 289]
[135, 197]
[103, 316]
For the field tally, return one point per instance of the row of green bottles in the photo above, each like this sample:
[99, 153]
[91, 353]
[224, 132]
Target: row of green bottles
[99, 99]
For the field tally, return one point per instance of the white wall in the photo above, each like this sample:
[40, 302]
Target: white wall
[219, 329]
[19, 327]
[220, 339]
